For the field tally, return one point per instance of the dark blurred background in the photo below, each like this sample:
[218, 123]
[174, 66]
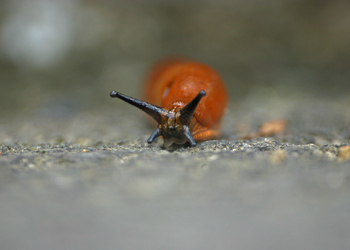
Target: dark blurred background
[60, 57]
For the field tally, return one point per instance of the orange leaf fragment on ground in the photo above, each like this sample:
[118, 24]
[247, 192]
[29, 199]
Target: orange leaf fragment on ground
[272, 128]
[269, 128]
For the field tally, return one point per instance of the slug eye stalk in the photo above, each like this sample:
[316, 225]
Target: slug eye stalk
[154, 111]
[186, 113]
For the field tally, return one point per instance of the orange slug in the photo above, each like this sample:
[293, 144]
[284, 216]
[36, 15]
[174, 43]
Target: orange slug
[186, 98]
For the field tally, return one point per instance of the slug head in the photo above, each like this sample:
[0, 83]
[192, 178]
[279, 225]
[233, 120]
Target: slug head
[173, 124]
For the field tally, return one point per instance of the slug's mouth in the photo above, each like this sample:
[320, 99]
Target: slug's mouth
[173, 124]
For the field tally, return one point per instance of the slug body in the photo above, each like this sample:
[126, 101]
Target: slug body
[186, 98]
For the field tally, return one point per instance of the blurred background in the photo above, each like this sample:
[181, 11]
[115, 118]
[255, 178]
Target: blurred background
[59, 57]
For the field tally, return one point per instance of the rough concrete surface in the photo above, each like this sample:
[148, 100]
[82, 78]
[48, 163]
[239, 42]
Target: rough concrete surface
[96, 184]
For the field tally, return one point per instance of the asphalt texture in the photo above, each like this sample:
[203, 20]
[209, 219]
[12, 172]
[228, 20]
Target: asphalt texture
[89, 180]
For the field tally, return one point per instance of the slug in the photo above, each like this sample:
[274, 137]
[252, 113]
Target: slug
[186, 98]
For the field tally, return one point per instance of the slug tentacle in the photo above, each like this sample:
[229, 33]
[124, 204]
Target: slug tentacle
[188, 111]
[154, 135]
[189, 136]
[154, 111]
